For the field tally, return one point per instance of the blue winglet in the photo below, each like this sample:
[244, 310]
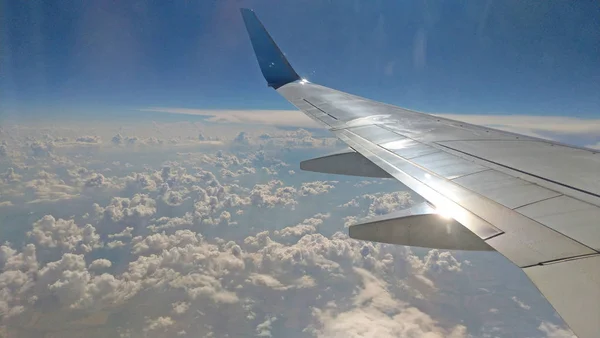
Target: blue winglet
[275, 67]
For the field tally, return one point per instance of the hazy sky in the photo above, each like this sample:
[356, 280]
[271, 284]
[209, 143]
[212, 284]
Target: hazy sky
[483, 57]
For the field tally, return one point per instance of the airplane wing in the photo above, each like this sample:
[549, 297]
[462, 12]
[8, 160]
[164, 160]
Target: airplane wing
[536, 202]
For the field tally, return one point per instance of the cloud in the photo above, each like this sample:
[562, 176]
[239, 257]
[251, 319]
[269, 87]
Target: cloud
[64, 234]
[10, 176]
[99, 264]
[3, 149]
[135, 210]
[47, 187]
[316, 188]
[377, 314]
[307, 226]
[273, 193]
[180, 308]
[97, 180]
[533, 124]
[520, 303]
[242, 138]
[266, 117]
[158, 242]
[379, 204]
[88, 139]
[264, 329]
[199, 242]
[41, 149]
[555, 331]
[159, 324]
[594, 146]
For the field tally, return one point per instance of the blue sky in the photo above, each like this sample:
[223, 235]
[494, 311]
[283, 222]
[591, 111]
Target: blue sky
[479, 57]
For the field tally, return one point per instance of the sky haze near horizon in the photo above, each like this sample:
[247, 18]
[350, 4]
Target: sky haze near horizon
[472, 57]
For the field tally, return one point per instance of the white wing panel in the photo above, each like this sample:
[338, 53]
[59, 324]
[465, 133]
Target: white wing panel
[409, 148]
[504, 189]
[376, 134]
[573, 288]
[574, 168]
[446, 165]
[576, 219]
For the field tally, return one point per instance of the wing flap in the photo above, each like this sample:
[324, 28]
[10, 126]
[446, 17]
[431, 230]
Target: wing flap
[576, 219]
[346, 163]
[419, 226]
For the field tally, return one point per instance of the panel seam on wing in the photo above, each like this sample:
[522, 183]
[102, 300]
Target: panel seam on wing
[523, 172]
[561, 260]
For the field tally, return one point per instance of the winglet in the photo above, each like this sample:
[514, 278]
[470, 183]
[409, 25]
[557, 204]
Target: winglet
[275, 67]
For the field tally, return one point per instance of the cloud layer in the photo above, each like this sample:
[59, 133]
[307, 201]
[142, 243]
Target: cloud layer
[154, 234]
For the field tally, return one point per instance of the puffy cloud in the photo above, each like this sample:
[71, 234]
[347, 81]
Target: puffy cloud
[48, 187]
[376, 313]
[125, 233]
[273, 193]
[76, 288]
[97, 180]
[264, 329]
[158, 242]
[307, 226]
[242, 138]
[520, 303]
[164, 223]
[385, 203]
[16, 279]
[173, 198]
[159, 324]
[134, 210]
[121, 140]
[41, 149]
[118, 139]
[100, 264]
[115, 244]
[316, 188]
[265, 280]
[554, 331]
[88, 139]
[180, 307]
[64, 234]
[437, 261]
[10, 176]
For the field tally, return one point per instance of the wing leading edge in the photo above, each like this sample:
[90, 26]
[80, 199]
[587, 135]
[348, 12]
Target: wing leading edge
[498, 192]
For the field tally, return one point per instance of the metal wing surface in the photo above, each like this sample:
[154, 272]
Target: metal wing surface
[535, 201]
